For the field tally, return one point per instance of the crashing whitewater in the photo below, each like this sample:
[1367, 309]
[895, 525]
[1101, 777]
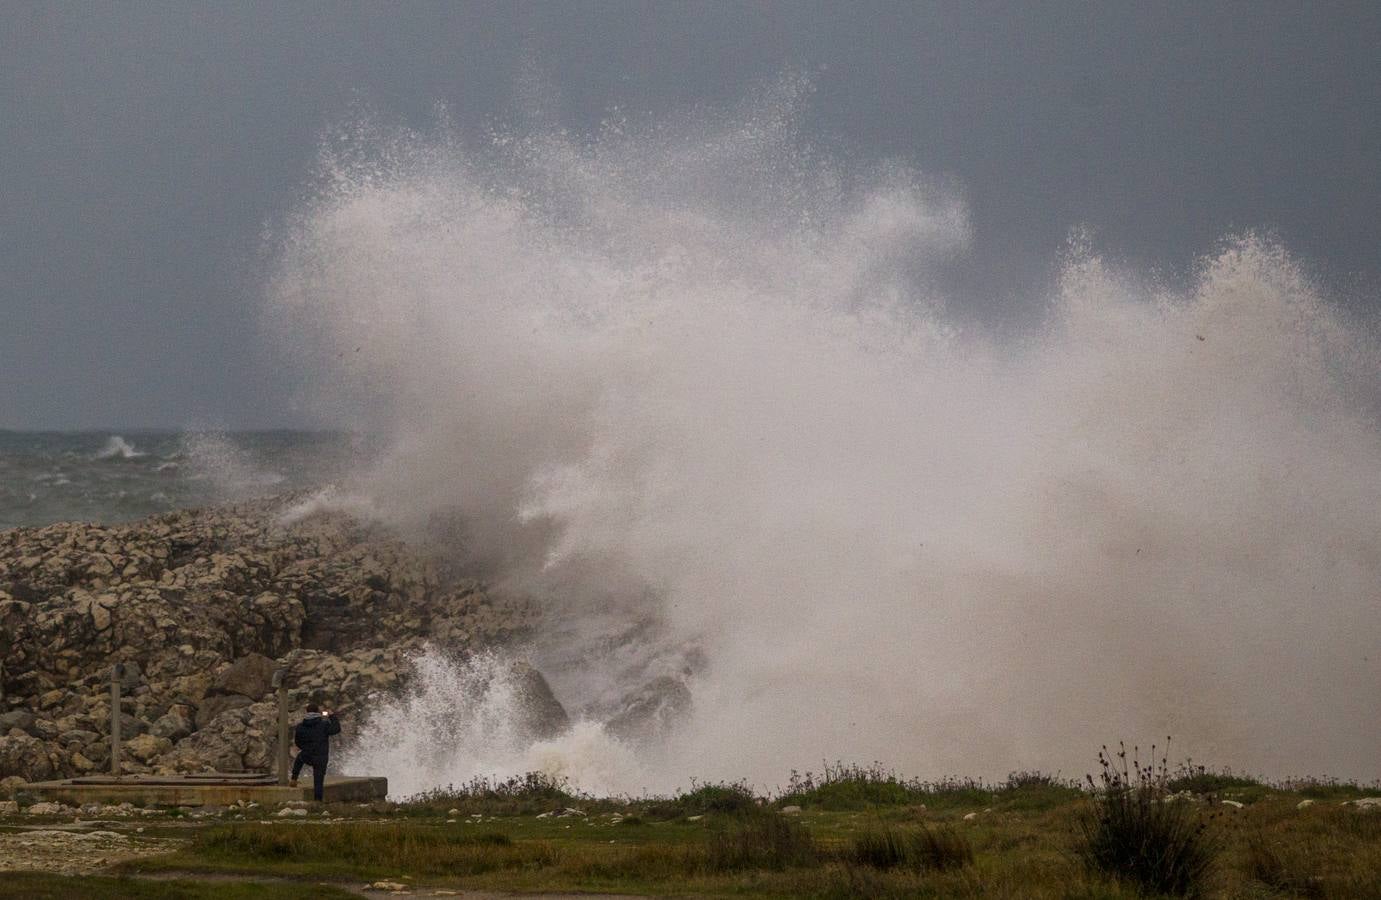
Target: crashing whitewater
[690, 386]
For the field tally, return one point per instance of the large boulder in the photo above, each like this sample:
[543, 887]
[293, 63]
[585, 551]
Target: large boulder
[213, 706]
[236, 740]
[250, 676]
[27, 757]
[651, 710]
[146, 747]
[173, 725]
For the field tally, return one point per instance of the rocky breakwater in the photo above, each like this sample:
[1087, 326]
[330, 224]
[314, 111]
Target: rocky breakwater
[202, 607]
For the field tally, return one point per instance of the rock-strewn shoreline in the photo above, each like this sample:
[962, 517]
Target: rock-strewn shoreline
[202, 606]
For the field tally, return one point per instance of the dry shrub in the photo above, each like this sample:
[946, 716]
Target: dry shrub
[1131, 833]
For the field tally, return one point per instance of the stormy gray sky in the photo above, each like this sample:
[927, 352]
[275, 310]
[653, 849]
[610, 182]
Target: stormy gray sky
[144, 146]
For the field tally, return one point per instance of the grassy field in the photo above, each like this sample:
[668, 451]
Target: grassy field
[37, 886]
[847, 832]
[858, 833]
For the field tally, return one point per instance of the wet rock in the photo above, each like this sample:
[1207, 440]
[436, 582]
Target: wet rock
[542, 714]
[651, 710]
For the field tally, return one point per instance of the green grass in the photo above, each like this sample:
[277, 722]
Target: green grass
[1269, 849]
[39, 886]
[760, 840]
[529, 794]
[861, 831]
[925, 849]
[853, 787]
[360, 850]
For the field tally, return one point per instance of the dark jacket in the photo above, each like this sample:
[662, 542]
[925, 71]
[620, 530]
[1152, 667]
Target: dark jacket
[313, 735]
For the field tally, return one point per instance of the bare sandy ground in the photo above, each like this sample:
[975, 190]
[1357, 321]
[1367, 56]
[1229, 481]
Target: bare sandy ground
[69, 850]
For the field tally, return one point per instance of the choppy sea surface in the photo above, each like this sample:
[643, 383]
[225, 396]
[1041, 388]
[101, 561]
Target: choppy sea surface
[105, 476]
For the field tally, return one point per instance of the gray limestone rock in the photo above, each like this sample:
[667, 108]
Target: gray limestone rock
[202, 606]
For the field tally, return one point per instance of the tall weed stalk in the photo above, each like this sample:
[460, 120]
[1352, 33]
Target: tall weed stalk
[1132, 831]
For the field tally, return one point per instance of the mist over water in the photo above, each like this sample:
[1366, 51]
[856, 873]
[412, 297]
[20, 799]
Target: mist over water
[691, 386]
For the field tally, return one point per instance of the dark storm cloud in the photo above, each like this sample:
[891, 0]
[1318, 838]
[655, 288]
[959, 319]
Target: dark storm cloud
[144, 146]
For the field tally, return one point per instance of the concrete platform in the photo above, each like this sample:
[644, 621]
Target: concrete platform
[208, 789]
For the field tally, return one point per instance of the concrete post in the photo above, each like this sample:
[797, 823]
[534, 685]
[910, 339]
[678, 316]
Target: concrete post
[117, 673]
[278, 682]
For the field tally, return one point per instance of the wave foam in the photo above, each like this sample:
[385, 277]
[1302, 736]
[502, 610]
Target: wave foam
[116, 447]
[458, 722]
[695, 375]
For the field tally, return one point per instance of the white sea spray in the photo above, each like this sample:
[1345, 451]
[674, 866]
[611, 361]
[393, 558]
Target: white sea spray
[689, 381]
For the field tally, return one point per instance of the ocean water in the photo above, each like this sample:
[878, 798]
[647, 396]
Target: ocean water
[107, 476]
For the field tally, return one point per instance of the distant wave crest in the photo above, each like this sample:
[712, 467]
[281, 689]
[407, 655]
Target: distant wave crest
[117, 447]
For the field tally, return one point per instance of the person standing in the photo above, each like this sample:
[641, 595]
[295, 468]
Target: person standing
[313, 739]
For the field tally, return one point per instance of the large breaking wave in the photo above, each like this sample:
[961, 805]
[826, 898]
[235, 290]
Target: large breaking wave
[690, 384]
